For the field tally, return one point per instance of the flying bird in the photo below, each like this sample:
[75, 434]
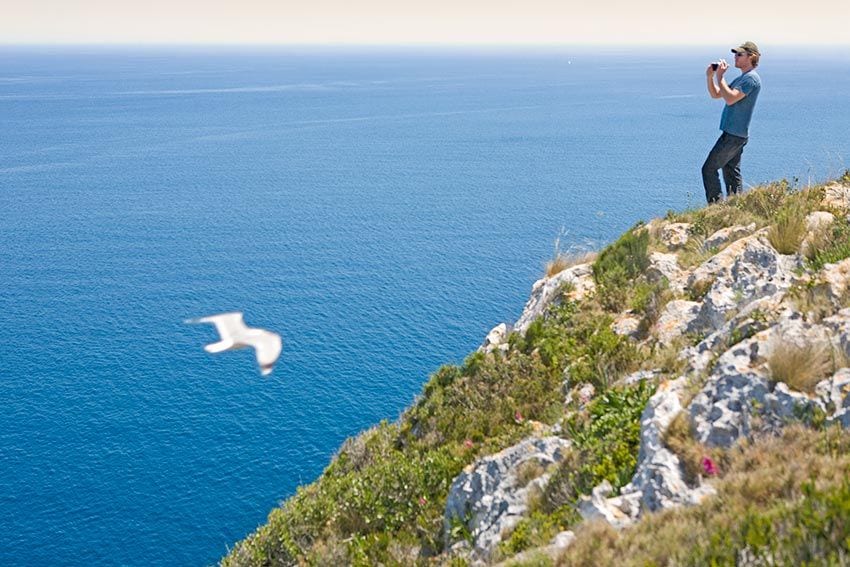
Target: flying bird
[235, 335]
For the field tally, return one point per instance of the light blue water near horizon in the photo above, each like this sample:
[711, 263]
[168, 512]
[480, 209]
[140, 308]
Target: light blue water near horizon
[381, 208]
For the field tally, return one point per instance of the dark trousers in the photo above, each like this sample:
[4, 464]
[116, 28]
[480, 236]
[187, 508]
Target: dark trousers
[725, 155]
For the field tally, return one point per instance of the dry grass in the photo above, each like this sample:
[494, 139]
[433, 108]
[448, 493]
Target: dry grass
[699, 289]
[565, 260]
[758, 481]
[528, 471]
[696, 252]
[801, 367]
[667, 357]
[787, 233]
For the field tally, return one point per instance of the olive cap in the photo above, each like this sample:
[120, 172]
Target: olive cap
[748, 47]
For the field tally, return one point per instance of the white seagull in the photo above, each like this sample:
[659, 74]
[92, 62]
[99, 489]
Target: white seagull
[235, 334]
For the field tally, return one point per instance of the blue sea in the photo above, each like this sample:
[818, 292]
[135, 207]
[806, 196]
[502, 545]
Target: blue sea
[380, 208]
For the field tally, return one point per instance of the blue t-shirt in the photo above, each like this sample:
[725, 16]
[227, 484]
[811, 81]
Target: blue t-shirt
[736, 117]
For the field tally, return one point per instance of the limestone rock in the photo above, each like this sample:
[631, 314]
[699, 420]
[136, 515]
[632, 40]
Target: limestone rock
[619, 511]
[837, 195]
[751, 319]
[675, 319]
[728, 234]
[834, 391]
[665, 266]
[746, 270]
[626, 325]
[675, 235]
[488, 495]
[496, 339]
[658, 481]
[816, 223]
[836, 278]
[545, 290]
[739, 387]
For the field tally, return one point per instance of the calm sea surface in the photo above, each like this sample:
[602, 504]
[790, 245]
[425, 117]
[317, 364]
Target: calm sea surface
[381, 209]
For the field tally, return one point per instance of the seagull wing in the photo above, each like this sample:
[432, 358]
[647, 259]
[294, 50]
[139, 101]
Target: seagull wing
[267, 346]
[229, 325]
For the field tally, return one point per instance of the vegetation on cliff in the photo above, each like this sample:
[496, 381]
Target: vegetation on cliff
[382, 498]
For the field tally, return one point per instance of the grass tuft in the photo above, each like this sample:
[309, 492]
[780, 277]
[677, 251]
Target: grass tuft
[801, 367]
[787, 233]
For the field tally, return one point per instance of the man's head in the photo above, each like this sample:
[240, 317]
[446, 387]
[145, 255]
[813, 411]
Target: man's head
[746, 55]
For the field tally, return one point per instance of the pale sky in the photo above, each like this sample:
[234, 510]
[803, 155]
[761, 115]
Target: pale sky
[674, 22]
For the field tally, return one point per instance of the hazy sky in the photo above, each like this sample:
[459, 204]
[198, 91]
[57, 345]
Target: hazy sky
[425, 21]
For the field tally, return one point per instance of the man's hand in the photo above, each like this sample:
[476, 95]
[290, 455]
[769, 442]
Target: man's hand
[721, 69]
[709, 71]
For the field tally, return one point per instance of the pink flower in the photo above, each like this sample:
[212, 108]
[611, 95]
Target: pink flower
[518, 417]
[708, 466]
[468, 443]
[422, 500]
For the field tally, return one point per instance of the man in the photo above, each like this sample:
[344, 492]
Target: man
[740, 98]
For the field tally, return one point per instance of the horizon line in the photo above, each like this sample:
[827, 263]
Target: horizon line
[436, 44]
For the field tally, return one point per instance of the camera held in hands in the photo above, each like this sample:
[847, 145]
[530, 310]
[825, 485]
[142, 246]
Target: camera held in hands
[714, 66]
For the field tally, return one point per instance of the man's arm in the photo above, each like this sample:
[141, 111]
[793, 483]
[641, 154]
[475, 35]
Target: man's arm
[713, 91]
[729, 95]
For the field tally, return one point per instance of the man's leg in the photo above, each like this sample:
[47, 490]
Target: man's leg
[726, 147]
[732, 172]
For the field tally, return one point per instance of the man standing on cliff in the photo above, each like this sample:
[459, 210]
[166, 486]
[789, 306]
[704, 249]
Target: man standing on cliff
[740, 98]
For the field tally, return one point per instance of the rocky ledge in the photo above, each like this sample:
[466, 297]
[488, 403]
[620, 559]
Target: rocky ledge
[761, 338]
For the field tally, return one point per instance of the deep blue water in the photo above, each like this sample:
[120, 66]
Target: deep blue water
[381, 209]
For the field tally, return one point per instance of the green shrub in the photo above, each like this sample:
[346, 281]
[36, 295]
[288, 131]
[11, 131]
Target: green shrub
[538, 529]
[606, 438]
[487, 394]
[619, 264]
[396, 499]
[707, 221]
[582, 343]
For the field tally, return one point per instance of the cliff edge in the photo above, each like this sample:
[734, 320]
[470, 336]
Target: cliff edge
[681, 398]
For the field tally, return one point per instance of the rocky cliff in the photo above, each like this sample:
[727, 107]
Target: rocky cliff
[681, 399]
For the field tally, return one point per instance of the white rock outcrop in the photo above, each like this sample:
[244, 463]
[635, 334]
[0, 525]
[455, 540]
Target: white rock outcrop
[490, 496]
[546, 290]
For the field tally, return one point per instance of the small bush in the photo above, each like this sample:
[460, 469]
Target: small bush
[536, 530]
[619, 264]
[707, 221]
[812, 299]
[649, 300]
[581, 343]
[606, 438]
[695, 252]
[528, 471]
